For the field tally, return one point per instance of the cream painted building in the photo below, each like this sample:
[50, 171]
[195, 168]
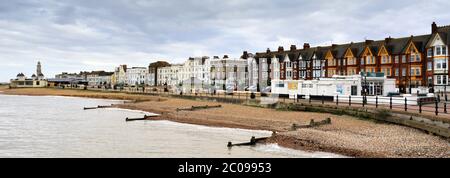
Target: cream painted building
[36, 81]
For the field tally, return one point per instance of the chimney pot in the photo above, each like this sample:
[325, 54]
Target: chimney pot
[434, 27]
[306, 46]
[280, 49]
[293, 47]
[245, 55]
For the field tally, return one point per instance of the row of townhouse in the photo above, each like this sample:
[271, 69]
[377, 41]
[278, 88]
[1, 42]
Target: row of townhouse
[205, 73]
[415, 62]
[98, 78]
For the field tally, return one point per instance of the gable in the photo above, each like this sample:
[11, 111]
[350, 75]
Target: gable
[436, 41]
[411, 47]
[383, 51]
[329, 55]
[367, 52]
[348, 53]
[286, 58]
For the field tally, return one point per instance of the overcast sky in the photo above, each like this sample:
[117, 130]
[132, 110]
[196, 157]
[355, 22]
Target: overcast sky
[98, 35]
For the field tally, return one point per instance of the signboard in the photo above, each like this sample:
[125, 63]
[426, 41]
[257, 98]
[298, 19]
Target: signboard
[340, 89]
[292, 86]
[373, 74]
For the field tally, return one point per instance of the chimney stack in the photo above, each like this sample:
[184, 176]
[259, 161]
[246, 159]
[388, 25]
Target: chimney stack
[388, 39]
[293, 47]
[333, 45]
[306, 46]
[216, 57]
[369, 41]
[245, 55]
[268, 50]
[280, 49]
[225, 56]
[434, 27]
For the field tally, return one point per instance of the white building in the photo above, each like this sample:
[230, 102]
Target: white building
[36, 81]
[337, 85]
[120, 75]
[170, 75]
[99, 78]
[136, 76]
[150, 78]
[193, 75]
[253, 71]
[229, 74]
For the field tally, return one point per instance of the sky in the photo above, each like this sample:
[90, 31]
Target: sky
[85, 35]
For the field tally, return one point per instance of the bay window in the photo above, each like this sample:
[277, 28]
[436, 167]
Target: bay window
[288, 65]
[441, 64]
[430, 52]
[441, 50]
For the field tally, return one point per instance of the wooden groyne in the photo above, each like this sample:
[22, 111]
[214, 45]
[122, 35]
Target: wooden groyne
[98, 107]
[252, 142]
[139, 119]
[311, 124]
[193, 108]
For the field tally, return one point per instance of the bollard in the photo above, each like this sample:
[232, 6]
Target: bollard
[337, 100]
[420, 106]
[349, 100]
[445, 107]
[390, 102]
[406, 104]
[376, 101]
[363, 101]
[323, 99]
[436, 107]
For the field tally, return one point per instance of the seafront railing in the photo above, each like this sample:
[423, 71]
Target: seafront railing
[421, 105]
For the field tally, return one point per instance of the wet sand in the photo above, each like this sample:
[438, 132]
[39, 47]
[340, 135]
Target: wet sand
[346, 135]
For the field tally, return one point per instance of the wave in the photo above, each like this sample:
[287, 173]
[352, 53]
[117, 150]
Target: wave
[133, 110]
[276, 149]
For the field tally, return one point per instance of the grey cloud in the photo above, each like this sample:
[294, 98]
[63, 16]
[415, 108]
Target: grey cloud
[76, 35]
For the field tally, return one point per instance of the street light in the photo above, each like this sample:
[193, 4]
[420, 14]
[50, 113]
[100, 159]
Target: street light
[410, 67]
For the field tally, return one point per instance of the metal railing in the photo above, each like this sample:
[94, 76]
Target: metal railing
[423, 105]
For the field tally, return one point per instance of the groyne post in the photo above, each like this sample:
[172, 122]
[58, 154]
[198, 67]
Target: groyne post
[311, 123]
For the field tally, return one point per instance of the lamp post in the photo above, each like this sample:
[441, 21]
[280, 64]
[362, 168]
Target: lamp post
[366, 87]
[447, 79]
[410, 67]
